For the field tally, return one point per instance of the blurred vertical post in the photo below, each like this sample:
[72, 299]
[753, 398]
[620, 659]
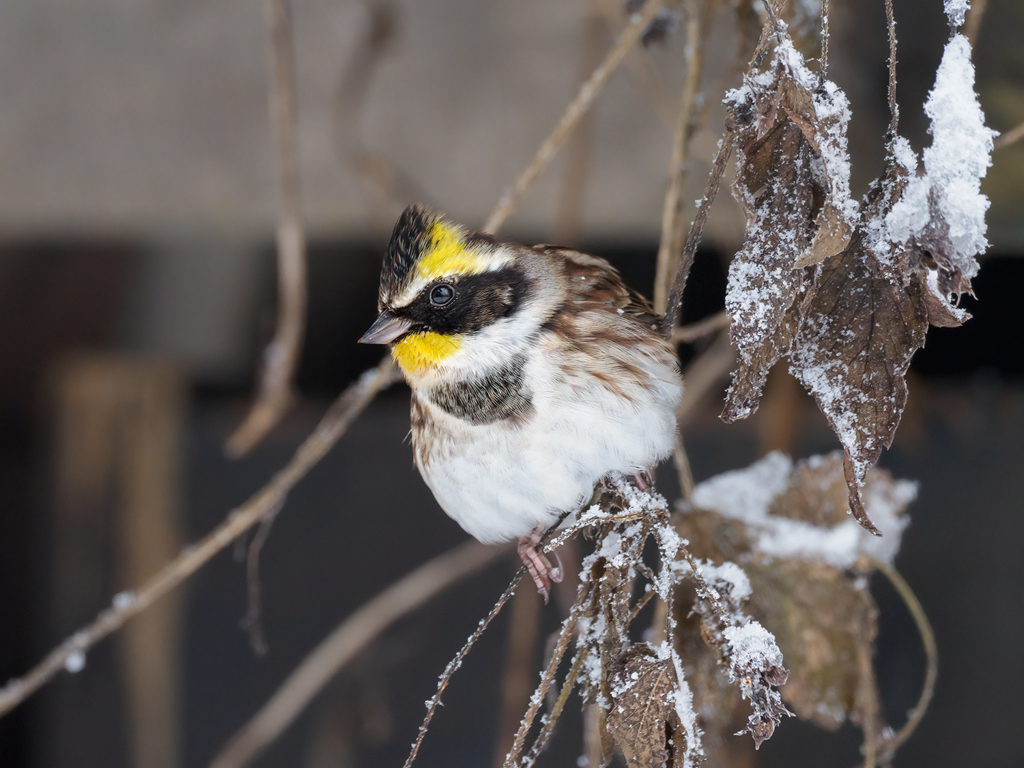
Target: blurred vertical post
[118, 427]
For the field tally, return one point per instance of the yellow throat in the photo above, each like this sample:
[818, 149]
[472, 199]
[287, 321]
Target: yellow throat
[420, 351]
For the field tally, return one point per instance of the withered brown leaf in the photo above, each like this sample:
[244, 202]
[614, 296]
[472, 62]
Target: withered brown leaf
[643, 719]
[860, 329]
[821, 614]
[792, 179]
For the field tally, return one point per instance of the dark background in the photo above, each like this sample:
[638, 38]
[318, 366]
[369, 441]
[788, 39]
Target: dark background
[137, 200]
[363, 518]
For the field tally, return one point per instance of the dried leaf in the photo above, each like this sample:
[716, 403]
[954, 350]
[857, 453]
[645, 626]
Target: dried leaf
[820, 619]
[809, 595]
[643, 718]
[859, 332]
[792, 179]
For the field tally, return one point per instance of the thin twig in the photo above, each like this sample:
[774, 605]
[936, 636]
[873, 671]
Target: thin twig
[894, 109]
[889, 746]
[519, 663]
[683, 470]
[563, 696]
[675, 296]
[345, 643]
[576, 109]
[576, 170]
[823, 64]
[332, 426]
[703, 374]
[672, 222]
[974, 17]
[455, 663]
[280, 358]
[253, 621]
[568, 626]
[1010, 137]
[702, 328]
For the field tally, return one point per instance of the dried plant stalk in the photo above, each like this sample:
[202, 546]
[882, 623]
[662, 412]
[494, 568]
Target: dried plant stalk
[346, 641]
[672, 222]
[576, 109]
[281, 357]
[333, 425]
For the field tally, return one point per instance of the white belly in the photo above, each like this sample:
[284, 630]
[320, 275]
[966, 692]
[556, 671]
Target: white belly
[500, 480]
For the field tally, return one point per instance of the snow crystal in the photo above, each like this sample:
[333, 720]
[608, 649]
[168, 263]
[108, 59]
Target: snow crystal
[956, 10]
[753, 646]
[728, 574]
[744, 494]
[955, 163]
[122, 600]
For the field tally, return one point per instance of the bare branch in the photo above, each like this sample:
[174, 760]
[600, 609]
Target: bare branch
[823, 64]
[455, 663]
[523, 625]
[576, 109]
[280, 358]
[346, 641]
[1010, 137]
[702, 328]
[672, 222]
[565, 635]
[332, 426]
[894, 110]
[887, 749]
[675, 296]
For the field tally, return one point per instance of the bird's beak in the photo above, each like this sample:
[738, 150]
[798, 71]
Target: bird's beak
[387, 327]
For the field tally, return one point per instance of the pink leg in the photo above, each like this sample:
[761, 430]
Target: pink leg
[539, 568]
[643, 479]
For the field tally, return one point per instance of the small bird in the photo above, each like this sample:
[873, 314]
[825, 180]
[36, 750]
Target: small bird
[535, 372]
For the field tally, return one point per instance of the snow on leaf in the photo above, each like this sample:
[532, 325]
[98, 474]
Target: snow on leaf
[956, 10]
[847, 294]
[756, 663]
[787, 527]
[942, 213]
[852, 353]
[793, 181]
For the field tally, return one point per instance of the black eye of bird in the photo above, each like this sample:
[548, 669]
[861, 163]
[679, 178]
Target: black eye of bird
[441, 294]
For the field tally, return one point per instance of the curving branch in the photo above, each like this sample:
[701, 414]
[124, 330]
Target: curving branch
[346, 641]
[332, 426]
[281, 357]
[576, 109]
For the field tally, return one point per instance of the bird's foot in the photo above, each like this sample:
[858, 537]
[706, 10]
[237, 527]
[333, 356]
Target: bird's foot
[643, 479]
[541, 571]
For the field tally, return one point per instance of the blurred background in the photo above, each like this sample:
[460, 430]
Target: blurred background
[138, 288]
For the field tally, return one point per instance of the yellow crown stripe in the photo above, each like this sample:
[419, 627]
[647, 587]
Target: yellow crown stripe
[419, 351]
[447, 255]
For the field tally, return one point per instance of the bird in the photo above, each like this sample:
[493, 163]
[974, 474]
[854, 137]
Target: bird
[535, 373]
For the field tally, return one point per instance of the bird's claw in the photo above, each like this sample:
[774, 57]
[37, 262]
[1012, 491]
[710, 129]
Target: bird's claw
[540, 570]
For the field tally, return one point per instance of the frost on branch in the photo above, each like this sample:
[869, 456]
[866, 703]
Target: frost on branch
[851, 311]
[786, 529]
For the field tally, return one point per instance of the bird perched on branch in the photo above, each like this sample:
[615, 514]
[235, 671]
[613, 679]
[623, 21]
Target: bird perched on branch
[535, 372]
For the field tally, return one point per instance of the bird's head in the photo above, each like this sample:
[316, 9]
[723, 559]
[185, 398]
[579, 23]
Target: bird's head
[450, 299]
